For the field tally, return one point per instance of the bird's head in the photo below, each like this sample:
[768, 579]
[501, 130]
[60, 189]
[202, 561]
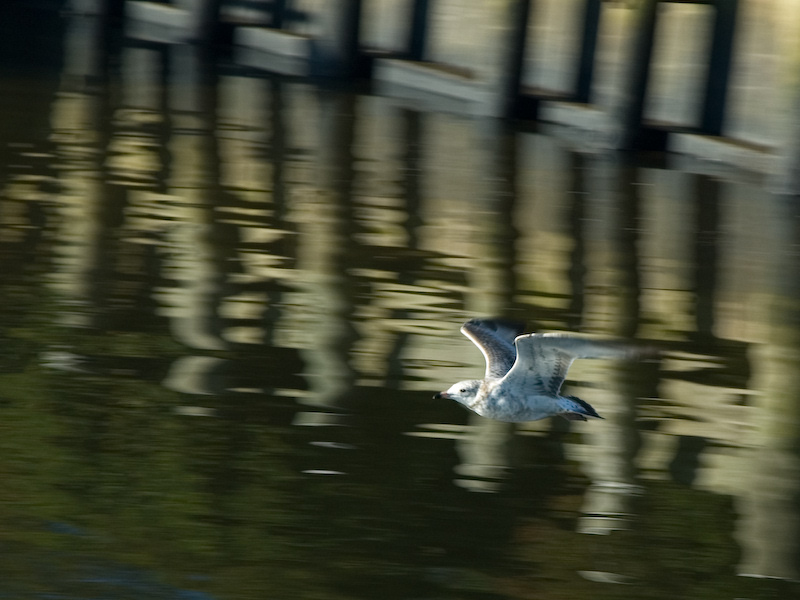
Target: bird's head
[463, 392]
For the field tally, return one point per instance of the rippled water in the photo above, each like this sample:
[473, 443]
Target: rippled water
[227, 300]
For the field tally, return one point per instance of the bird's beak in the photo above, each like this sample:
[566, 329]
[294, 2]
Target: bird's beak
[440, 396]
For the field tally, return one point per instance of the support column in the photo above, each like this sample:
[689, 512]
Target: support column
[418, 36]
[591, 26]
[719, 67]
[113, 9]
[206, 21]
[335, 49]
[510, 65]
[631, 106]
[278, 13]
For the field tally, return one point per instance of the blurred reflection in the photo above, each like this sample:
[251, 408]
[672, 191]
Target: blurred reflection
[767, 487]
[227, 299]
[611, 263]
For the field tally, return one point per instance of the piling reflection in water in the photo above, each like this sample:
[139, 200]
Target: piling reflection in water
[228, 301]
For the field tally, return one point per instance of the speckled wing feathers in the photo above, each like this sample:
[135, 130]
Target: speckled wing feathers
[495, 339]
[543, 359]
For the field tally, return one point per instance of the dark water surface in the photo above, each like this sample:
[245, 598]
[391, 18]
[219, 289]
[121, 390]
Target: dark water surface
[227, 299]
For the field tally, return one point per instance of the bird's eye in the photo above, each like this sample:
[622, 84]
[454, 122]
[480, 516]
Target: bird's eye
[462, 391]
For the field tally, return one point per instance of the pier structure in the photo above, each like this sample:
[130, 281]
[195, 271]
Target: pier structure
[708, 78]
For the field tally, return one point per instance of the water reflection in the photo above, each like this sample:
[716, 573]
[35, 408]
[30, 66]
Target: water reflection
[227, 299]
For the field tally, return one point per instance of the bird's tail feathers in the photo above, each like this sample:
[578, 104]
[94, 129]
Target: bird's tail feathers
[576, 409]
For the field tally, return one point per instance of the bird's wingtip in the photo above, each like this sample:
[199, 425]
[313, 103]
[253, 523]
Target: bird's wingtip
[496, 324]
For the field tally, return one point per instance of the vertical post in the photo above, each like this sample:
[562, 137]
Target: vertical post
[206, 21]
[511, 64]
[112, 10]
[418, 35]
[107, 47]
[706, 254]
[719, 67]
[278, 13]
[631, 106]
[591, 26]
[786, 179]
[335, 49]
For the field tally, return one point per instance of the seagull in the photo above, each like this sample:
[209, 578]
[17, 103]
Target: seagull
[524, 373]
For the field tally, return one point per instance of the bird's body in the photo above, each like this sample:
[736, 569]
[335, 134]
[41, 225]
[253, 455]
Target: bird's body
[524, 373]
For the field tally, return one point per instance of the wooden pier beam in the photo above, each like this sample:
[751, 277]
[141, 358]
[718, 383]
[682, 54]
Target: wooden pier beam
[105, 9]
[195, 21]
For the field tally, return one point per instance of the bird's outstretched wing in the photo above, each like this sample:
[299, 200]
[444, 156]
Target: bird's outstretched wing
[543, 359]
[495, 339]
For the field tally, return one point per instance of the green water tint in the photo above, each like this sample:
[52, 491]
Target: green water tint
[226, 303]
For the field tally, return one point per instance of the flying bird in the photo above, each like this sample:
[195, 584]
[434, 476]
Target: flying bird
[524, 373]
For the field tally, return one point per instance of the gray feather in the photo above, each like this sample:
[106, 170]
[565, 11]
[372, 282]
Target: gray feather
[495, 339]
